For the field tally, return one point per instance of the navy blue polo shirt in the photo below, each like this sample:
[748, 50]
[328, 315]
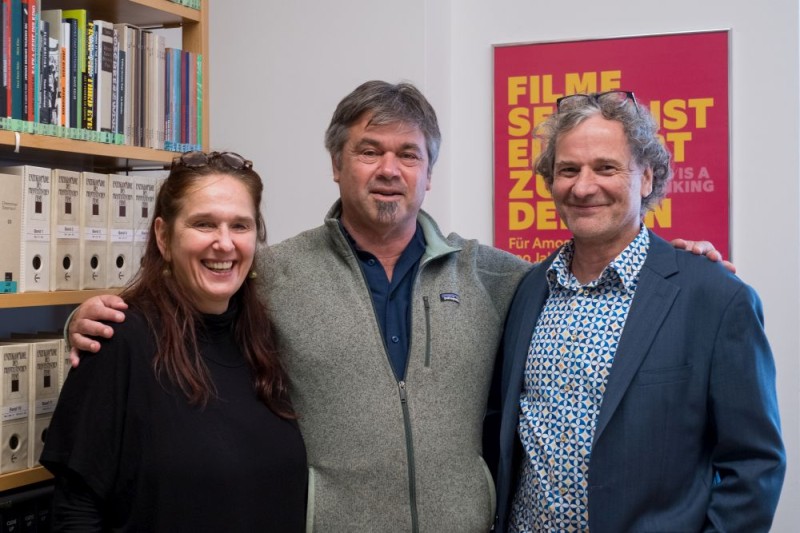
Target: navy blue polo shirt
[392, 299]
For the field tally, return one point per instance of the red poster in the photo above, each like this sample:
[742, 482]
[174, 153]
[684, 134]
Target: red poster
[682, 78]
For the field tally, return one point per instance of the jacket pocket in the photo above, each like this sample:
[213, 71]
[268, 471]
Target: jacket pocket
[674, 374]
[310, 500]
[490, 485]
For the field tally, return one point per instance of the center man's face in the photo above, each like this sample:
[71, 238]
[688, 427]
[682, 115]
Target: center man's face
[383, 176]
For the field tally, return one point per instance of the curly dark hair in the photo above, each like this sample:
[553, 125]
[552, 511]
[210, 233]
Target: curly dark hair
[640, 130]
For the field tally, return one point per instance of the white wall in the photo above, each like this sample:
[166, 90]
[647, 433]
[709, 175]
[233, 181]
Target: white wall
[279, 68]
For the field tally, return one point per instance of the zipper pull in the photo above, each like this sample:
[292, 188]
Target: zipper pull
[402, 386]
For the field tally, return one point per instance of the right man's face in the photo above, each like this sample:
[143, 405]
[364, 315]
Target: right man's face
[597, 187]
[383, 176]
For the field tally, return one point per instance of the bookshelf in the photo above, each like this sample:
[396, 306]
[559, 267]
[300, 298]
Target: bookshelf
[15, 480]
[52, 151]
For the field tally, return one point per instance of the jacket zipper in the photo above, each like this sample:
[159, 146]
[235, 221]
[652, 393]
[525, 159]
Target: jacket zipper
[427, 305]
[412, 483]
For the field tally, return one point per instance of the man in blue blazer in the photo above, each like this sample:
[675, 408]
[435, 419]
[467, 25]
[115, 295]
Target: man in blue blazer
[636, 388]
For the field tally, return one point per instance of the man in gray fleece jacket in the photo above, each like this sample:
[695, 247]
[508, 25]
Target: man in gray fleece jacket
[388, 330]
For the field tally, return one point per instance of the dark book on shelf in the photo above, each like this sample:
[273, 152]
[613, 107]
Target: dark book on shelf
[72, 75]
[16, 59]
[89, 78]
[78, 53]
[25, 8]
[51, 92]
[104, 74]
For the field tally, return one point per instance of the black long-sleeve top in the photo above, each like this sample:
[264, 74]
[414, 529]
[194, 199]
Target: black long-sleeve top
[131, 454]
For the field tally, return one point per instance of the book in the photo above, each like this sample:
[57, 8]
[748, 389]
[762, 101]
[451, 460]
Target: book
[66, 45]
[88, 79]
[121, 94]
[127, 45]
[148, 88]
[15, 60]
[94, 231]
[78, 62]
[185, 81]
[66, 232]
[199, 103]
[173, 98]
[26, 50]
[34, 59]
[160, 90]
[139, 88]
[73, 75]
[51, 107]
[4, 78]
[104, 73]
[116, 74]
[10, 232]
[121, 229]
[14, 397]
[191, 113]
[34, 252]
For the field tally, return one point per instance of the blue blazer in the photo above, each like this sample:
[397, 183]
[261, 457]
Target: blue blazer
[688, 435]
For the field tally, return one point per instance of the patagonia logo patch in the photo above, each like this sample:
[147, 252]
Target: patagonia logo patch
[449, 297]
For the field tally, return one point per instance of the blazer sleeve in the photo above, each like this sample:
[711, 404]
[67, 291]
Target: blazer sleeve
[748, 456]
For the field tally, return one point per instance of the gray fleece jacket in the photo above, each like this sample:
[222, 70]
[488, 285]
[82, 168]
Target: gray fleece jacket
[389, 456]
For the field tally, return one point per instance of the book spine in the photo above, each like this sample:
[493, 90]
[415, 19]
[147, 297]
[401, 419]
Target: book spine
[199, 102]
[35, 55]
[3, 65]
[24, 57]
[42, 82]
[16, 60]
[115, 77]
[63, 75]
[73, 74]
[88, 78]
[104, 72]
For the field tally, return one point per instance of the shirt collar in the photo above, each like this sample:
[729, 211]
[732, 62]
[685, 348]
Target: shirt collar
[625, 267]
[415, 247]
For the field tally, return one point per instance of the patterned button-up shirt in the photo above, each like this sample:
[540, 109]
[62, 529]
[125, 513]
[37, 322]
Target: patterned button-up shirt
[569, 360]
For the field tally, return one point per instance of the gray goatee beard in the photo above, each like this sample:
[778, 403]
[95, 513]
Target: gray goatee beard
[387, 211]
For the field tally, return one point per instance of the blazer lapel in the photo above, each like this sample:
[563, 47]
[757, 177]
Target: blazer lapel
[524, 313]
[650, 306]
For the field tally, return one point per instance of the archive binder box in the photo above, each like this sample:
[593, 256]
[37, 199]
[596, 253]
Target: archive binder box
[34, 249]
[94, 230]
[121, 230]
[45, 359]
[10, 232]
[144, 204]
[14, 425]
[66, 234]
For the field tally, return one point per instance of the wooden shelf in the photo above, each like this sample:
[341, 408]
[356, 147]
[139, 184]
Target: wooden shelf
[40, 299]
[144, 13]
[65, 153]
[24, 477]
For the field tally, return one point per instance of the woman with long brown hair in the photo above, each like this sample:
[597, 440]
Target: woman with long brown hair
[182, 422]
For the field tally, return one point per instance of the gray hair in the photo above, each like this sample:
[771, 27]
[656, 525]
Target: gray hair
[641, 132]
[388, 104]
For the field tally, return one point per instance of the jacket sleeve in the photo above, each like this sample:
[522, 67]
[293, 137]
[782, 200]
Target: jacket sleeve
[748, 456]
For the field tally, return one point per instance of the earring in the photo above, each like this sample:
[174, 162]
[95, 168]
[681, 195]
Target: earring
[167, 271]
[253, 274]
